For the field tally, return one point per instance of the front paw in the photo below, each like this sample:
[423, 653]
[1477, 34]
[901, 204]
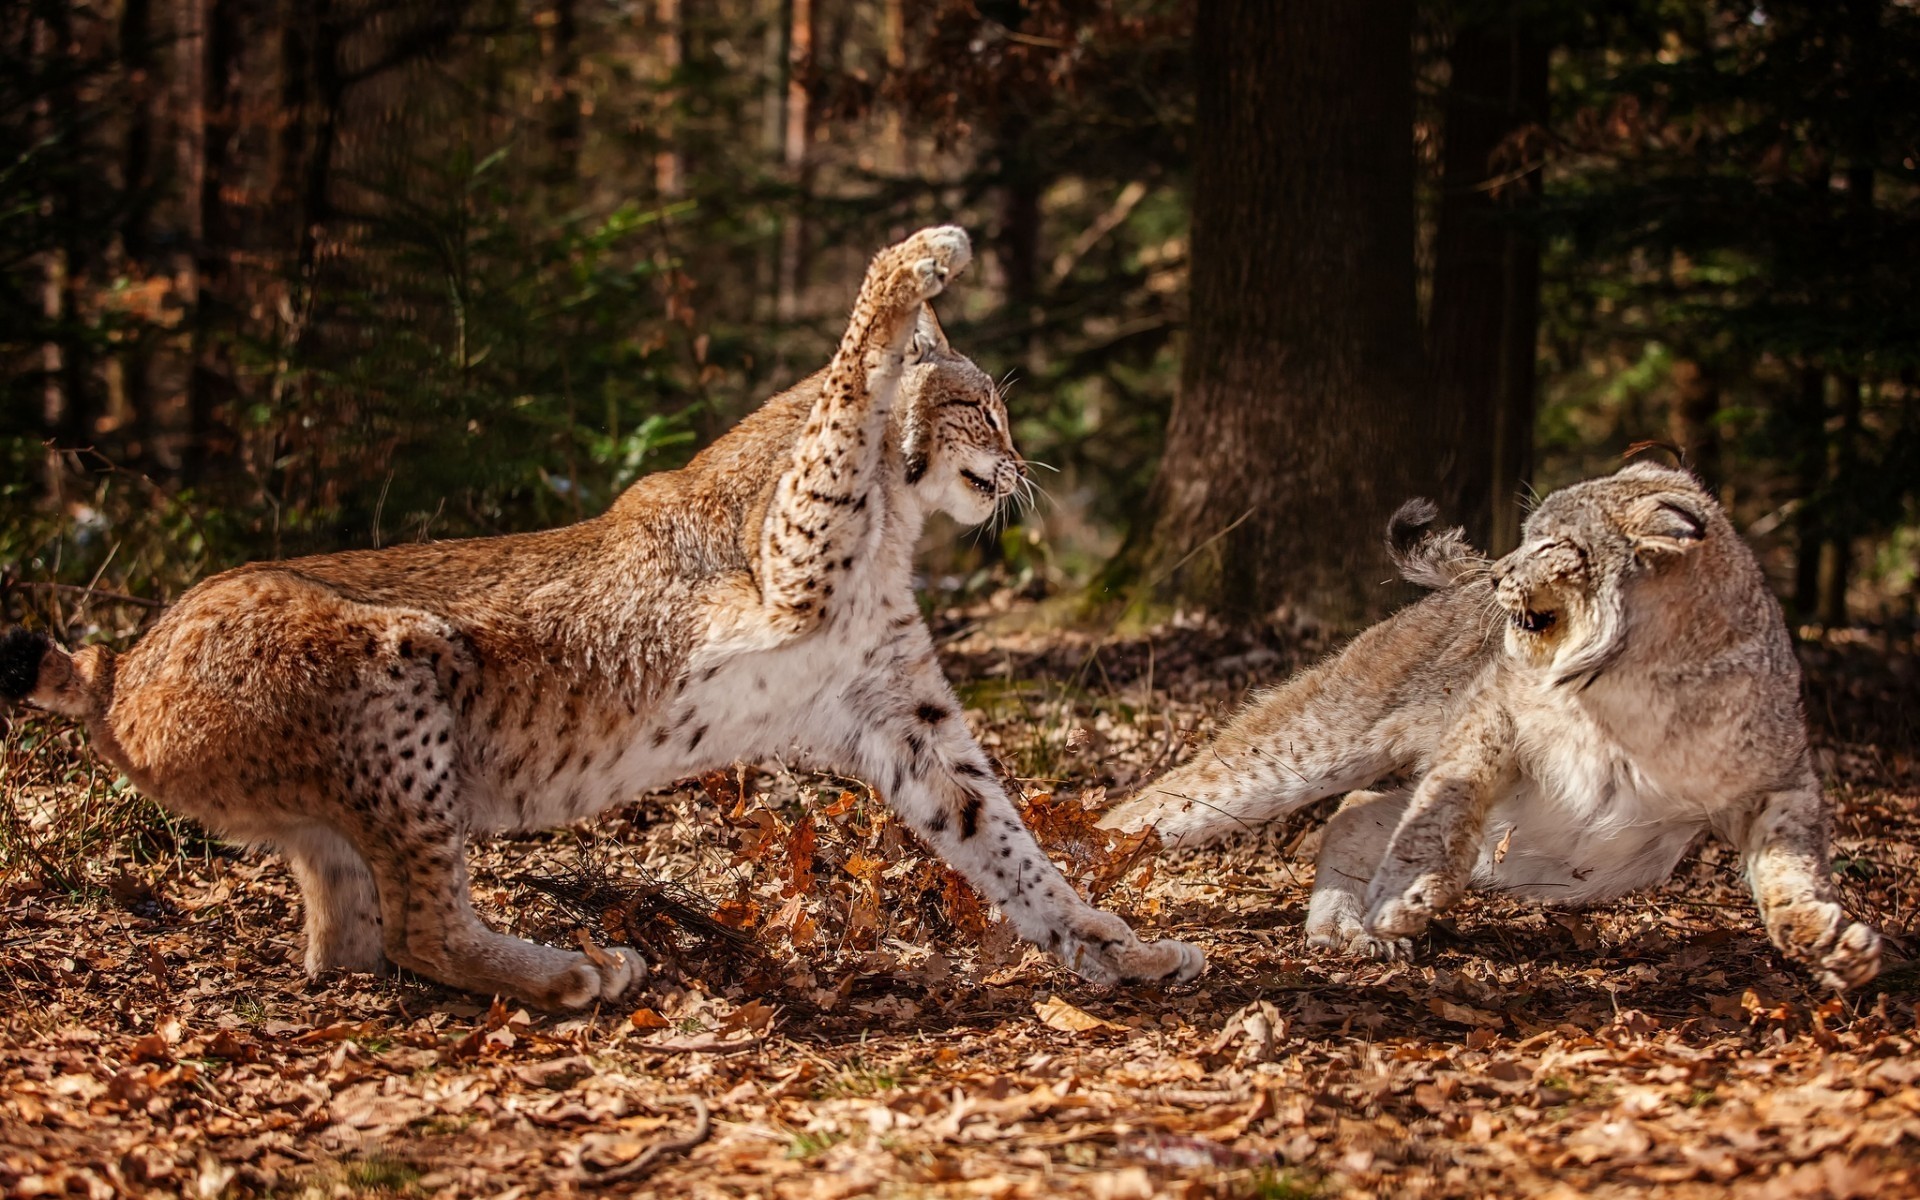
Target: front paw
[1350, 939]
[1854, 959]
[1406, 912]
[601, 974]
[1103, 949]
[935, 256]
[1819, 934]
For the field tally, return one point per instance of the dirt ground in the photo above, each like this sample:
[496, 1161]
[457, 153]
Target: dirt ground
[831, 1014]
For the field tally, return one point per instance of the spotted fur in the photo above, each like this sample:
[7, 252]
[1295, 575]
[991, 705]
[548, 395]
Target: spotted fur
[1561, 724]
[366, 713]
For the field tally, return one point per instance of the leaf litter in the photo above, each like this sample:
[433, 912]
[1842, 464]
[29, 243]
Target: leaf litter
[832, 1012]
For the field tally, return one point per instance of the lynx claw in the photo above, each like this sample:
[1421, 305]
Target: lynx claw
[1356, 942]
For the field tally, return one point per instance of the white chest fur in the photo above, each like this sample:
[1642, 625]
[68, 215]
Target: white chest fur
[1601, 807]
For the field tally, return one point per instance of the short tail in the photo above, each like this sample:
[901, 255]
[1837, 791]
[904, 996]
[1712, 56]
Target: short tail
[1428, 557]
[34, 670]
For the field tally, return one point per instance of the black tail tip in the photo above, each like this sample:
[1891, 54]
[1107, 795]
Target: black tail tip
[1410, 523]
[21, 651]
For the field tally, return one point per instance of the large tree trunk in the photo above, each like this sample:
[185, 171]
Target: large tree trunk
[1298, 427]
[1693, 420]
[796, 138]
[210, 383]
[133, 409]
[1486, 280]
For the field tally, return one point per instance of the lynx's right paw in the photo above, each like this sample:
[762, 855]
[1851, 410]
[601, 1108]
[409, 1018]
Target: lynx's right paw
[602, 974]
[1818, 933]
[1104, 949]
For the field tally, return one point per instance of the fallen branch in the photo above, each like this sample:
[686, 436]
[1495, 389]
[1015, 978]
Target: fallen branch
[645, 1160]
[91, 593]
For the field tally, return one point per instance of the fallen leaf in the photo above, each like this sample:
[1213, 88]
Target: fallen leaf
[1058, 1014]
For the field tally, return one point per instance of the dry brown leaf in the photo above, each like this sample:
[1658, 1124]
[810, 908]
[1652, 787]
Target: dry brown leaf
[1058, 1014]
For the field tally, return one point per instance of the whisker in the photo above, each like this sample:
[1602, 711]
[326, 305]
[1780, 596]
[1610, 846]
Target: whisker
[1034, 462]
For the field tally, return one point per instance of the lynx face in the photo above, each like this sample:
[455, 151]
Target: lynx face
[960, 456]
[1572, 588]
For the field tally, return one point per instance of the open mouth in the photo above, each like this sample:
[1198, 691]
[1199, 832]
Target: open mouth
[1529, 621]
[983, 486]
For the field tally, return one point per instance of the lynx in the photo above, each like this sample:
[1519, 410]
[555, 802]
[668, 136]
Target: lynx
[1560, 724]
[366, 713]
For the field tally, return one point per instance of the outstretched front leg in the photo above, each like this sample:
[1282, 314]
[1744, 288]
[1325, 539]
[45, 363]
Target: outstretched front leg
[1430, 860]
[822, 519]
[1784, 836]
[914, 746]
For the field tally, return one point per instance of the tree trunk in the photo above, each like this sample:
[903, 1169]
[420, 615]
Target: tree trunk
[1806, 431]
[670, 39]
[1842, 517]
[210, 382]
[1298, 427]
[563, 96]
[794, 145]
[1486, 283]
[1693, 420]
[134, 412]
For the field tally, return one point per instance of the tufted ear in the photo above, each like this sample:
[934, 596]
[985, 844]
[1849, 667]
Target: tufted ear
[929, 340]
[1668, 523]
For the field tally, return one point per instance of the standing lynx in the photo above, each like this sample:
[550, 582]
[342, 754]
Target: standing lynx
[366, 713]
[1561, 724]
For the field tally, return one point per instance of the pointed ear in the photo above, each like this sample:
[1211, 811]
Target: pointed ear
[1671, 523]
[914, 438]
[929, 340]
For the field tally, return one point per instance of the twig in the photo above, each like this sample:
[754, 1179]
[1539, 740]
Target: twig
[702, 1127]
[91, 593]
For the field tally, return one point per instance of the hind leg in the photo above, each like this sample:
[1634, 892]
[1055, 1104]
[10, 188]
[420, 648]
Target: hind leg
[1351, 848]
[411, 826]
[343, 910]
[431, 928]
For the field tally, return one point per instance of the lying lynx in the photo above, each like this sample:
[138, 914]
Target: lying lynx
[1560, 725]
[365, 713]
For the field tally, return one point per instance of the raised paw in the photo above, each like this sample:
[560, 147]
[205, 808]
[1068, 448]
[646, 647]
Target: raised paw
[1103, 949]
[599, 975]
[932, 257]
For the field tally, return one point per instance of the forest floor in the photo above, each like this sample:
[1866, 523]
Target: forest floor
[830, 1015]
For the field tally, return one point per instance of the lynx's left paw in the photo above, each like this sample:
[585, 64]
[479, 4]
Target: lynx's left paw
[1350, 939]
[1104, 949]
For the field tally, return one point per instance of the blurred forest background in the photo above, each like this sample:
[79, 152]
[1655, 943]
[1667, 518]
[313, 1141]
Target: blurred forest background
[284, 276]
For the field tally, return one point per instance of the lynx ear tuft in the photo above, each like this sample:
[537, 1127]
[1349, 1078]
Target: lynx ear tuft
[1666, 524]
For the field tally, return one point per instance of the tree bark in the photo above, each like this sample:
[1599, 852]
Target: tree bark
[1485, 316]
[795, 141]
[1692, 421]
[1298, 427]
[210, 382]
